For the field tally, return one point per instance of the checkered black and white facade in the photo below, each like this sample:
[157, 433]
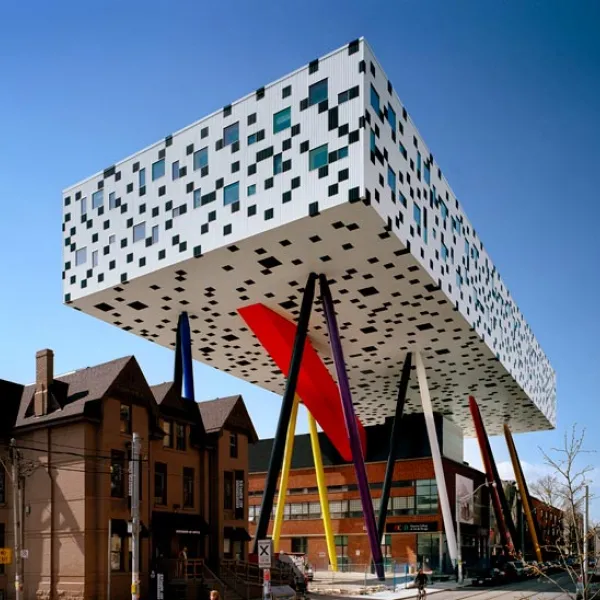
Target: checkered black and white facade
[322, 170]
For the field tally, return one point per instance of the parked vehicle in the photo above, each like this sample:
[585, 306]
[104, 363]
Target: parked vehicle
[593, 587]
[488, 576]
[515, 570]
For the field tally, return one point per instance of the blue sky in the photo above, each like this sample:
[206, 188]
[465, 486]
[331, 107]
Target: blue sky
[506, 93]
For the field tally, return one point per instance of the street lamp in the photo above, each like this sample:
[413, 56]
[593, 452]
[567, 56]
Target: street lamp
[459, 501]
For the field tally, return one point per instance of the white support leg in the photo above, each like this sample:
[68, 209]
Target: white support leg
[437, 458]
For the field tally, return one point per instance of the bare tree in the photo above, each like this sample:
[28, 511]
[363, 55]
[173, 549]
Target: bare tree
[546, 489]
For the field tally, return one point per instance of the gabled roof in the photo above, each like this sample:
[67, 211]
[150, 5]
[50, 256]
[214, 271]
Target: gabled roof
[216, 414]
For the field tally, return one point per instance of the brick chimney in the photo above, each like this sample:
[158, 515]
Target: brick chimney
[44, 375]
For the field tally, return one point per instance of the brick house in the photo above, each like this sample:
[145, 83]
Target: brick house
[73, 435]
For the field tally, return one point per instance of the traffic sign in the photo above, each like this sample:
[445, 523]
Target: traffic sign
[5, 556]
[265, 554]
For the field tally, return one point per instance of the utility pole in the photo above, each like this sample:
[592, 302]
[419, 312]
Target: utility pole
[16, 496]
[135, 518]
[458, 542]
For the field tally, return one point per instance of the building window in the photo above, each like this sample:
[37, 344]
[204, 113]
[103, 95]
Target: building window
[252, 139]
[317, 92]
[139, 232]
[2, 488]
[391, 117]
[403, 505]
[317, 158]
[197, 198]
[392, 179]
[180, 436]
[228, 490]
[116, 552]
[231, 193]
[427, 174]
[112, 200]
[81, 256]
[426, 497]
[231, 134]
[94, 258]
[428, 550]
[168, 437]
[188, 487]
[142, 177]
[282, 120]
[233, 445]
[155, 234]
[252, 189]
[200, 159]
[227, 547]
[300, 545]
[84, 205]
[444, 251]
[417, 214]
[277, 164]
[158, 169]
[125, 418]
[341, 549]
[175, 170]
[375, 100]
[117, 480]
[98, 199]
[160, 483]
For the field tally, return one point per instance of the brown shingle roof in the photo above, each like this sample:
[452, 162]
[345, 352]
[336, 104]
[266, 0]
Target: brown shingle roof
[216, 412]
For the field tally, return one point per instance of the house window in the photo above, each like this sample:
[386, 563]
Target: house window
[231, 134]
[188, 487]
[300, 545]
[80, 256]
[282, 120]
[160, 483]
[200, 159]
[375, 100]
[228, 490]
[117, 480]
[277, 164]
[125, 418]
[98, 199]
[142, 177]
[317, 158]
[180, 436]
[175, 170]
[231, 193]
[116, 553]
[233, 445]
[158, 169]
[168, 437]
[392, 179]
[317, 92]
[139, 232]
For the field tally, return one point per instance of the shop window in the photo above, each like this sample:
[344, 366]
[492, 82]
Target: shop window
[125, 417]
[228, 490]
[428, 550]
[117, 479]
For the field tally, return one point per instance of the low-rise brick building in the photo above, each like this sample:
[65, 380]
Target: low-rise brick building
[414, 532]
[73, 436]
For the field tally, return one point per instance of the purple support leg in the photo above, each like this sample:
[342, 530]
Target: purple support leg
[350, 418]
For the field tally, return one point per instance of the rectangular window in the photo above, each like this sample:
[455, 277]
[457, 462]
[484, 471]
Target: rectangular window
[180, 441]
[80, 256]
[228, 490]
[155, 234]
[231, 134]
[94, 258]
[98, 199]
[317, 92]
[139, 232]
[197, 198]
[443, 210]
[2, 488]
[417, 214]
[418, 162]
[84, 205]
[160, 483]
[158, 169]
[300, 545]
[168, 437]
[375, 100]
[125, 418]
[188, 487]
[175, 170]
[427, 174]
[444, 251]
[252, 139]
[200, 159]
[277, 164]
[116, 552]
[142, 177]
[343, 152]
[317, 158]
[117, 479]
[231, 193]
[426, 499]
[233, 445]
[252, 189]
[112, 200]
[282, 120]
[373, 141]
[392, 179]
[391, 117]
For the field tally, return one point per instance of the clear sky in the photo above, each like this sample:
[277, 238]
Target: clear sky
[505, 92]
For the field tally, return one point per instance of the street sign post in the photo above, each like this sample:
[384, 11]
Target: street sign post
[265, 561]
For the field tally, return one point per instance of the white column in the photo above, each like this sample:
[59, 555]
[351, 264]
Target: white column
[437, 458]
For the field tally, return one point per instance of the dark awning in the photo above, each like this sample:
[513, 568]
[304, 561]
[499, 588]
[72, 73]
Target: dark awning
[120, 527]
[179, 523]
[237, 534]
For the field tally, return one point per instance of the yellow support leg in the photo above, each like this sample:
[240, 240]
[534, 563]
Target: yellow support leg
[285, 471]
[316, 449]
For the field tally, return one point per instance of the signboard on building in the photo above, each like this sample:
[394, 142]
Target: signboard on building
[160, 586]
[5, 556]
[239, 494]
[411, 527]
[465, 499]
[265, 554]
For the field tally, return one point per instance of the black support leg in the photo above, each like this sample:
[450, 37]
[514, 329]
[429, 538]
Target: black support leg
[277, 451]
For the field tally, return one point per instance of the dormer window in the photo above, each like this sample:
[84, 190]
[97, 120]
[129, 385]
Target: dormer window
[125, 418]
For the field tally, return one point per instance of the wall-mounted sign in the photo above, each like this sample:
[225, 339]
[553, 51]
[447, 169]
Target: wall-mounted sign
[411, 527]
[239, 494]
